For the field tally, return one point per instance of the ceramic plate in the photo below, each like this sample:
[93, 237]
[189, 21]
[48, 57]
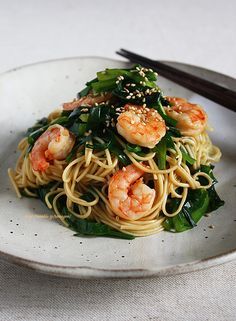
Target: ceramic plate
[29, 237]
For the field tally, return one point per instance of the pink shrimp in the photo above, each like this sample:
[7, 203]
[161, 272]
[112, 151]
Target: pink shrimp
[141, 125]
[55, 143]
[89, 100]
[129, 197]
[191, 118]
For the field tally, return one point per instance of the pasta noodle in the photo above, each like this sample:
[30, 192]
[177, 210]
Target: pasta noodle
[95, 168]
[90, 170]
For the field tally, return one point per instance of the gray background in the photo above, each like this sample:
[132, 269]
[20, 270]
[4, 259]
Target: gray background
[196, 32]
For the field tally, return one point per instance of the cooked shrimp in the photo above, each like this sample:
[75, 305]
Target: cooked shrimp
[141, 125]
[129, 197]
[191, 118]
[55, 143]
[88, 101]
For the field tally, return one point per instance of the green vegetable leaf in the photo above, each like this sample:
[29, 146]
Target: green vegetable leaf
[168, 120]
[43, 190]
[40, 123]
[186, 157]
[169, 140]
[88, 197]
[81, 226]
[87, 89]
[174, 132]
[99, 118]
[111, 74]
[84, 92]
[133, 148]
[96, 117]
[33, 136]
[161, 153]
[215, 201]
[198, 202]
[103, 86]
[85, 227]
[194, 208]
[79, 141]
[161, 148]
[78, 128]
[117, 150]
[23, 193]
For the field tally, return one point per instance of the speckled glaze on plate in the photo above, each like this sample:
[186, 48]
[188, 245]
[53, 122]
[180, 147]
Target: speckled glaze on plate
[30, 238]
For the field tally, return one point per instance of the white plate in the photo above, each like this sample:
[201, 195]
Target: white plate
[28, 239]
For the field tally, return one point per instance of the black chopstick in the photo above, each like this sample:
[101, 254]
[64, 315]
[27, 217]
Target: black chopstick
[219, 94]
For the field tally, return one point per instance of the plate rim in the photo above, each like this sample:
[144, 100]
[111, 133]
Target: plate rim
[42, 62]
[86, 272]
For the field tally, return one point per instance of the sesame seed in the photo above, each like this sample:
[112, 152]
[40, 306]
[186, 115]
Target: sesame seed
[142, 74]
[150, 70]
[155, 73]
[146, 79]
[144, 105]
[128, 97]
[88, 132]
[117, 82]
[133, 85]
